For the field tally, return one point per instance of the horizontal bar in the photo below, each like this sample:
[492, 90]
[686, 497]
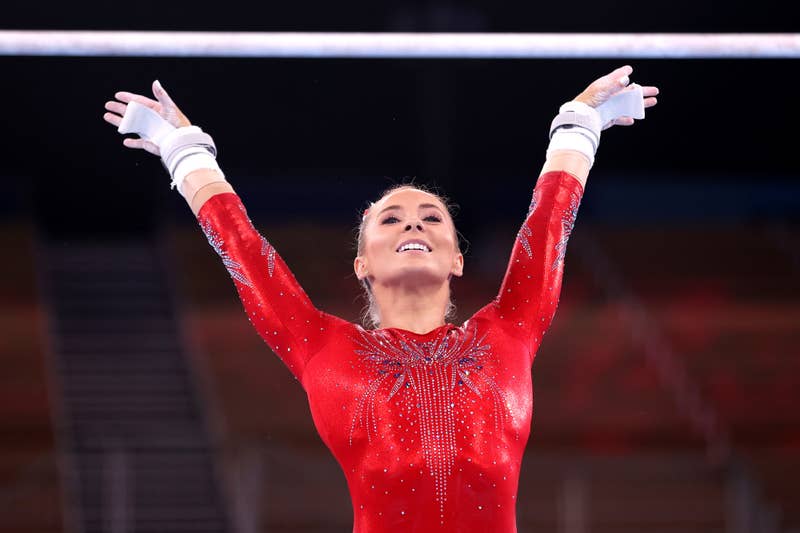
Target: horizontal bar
[400, 45]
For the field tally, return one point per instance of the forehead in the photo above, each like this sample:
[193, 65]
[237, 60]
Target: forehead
[409, 198]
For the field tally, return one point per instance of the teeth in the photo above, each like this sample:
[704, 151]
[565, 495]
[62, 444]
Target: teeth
[414, 246]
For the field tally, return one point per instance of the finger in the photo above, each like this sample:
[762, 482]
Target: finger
[624, 70]
[650, 102]
[614, 82]
[161, 94]
[133, 143]
[116, 107]
[152, 148]
[141, 144]
[126, 97]
[623, 121]
[649, 90]
[619, 77]
[112, 119]
[169, 110]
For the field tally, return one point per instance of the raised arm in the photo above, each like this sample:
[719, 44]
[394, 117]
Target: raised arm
[531, 287]
[198, 184]
[275, 303]
[596, 96]
[530, 290]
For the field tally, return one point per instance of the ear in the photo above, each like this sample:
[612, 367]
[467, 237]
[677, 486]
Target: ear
[360, 267]
[458, 265]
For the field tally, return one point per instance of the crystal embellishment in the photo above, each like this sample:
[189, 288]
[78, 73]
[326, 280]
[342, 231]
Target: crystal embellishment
[268, 251]
[524, 234]
[435, 377]
[567, 223]
[217, 243]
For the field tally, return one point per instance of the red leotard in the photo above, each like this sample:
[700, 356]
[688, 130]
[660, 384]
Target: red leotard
[429, 428]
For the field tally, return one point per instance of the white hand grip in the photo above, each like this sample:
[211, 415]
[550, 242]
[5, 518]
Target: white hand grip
[145, 122]
[626, 103]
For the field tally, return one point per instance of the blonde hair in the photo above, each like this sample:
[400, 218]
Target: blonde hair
[370, 314]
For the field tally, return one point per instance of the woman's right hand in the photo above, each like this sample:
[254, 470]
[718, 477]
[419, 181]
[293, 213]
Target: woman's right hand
[602, 89]
[163, 105]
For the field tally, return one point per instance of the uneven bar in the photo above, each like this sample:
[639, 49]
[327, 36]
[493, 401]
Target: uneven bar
[400, 45]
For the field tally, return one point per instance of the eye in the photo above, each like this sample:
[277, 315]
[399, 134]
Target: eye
[433, 218]
[390, 220]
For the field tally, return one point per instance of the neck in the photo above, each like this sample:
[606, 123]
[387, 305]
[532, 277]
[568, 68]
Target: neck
[413, 308]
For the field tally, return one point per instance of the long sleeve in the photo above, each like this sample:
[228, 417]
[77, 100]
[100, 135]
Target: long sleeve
[530, 290]
[274, 301]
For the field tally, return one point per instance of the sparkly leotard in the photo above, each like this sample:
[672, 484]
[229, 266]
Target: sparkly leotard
[429, 428]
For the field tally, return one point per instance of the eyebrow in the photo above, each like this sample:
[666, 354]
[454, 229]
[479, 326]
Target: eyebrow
[400, 207]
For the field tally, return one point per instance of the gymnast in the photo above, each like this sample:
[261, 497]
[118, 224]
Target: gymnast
[428, 419]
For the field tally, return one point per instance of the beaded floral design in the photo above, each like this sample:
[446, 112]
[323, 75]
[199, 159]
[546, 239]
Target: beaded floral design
[436, 378]
[217, 243]
[567, 223]
[525, 232]
[268, 251]
[534, 203]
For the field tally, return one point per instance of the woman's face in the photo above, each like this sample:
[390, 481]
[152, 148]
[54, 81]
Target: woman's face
[409, 238]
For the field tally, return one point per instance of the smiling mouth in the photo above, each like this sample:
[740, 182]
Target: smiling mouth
[414, 246]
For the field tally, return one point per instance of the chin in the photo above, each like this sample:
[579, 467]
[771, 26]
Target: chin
[420, 275]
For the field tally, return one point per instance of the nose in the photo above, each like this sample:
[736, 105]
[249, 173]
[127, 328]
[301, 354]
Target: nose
[417, 225]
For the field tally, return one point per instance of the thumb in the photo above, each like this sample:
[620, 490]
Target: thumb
[169, 110]
[161, 94]
[142, 144]
[616, 81]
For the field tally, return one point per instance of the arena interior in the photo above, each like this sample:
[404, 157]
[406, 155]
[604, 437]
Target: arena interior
[135, 396]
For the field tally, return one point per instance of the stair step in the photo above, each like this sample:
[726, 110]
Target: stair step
[111, 344]
[125, 380]
[123, 386]
[104, 363]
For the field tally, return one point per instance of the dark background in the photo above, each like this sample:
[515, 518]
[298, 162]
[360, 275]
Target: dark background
[686, 247]
[318, 138]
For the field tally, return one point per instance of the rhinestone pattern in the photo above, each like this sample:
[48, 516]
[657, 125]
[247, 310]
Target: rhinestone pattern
[523, 235]
[217, 243]
[567, 223]
[268, 251]
[525, 232]
[430, 428]
[436, 376]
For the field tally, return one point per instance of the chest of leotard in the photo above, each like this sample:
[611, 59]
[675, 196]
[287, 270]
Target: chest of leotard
[424, 423]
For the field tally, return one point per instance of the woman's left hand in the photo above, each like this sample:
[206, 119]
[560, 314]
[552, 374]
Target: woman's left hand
[604, 88]
[163, 105]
